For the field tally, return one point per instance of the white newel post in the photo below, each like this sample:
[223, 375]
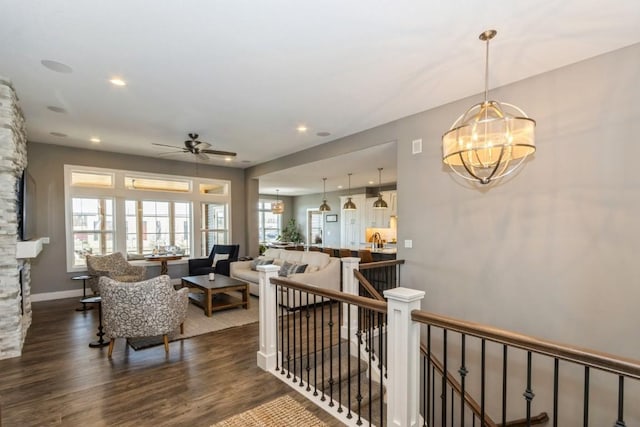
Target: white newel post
[267, 355]
[403, 357]
[350, 286]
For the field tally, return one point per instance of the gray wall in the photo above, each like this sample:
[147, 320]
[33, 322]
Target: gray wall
[549, 251]
[46, 165]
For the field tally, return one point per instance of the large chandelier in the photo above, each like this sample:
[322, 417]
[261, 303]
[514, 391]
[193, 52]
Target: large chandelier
[324, 207]
[491, 139]
[278, 206]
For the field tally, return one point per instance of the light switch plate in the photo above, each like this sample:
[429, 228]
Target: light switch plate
[416, 146]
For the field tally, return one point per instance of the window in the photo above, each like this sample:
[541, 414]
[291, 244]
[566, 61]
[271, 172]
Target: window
[270, 223]
[214, 227]
[92, 228]
[314, 227]
[134, 213]
[157, 225]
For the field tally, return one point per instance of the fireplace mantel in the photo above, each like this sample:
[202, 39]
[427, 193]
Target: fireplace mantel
[30, 248]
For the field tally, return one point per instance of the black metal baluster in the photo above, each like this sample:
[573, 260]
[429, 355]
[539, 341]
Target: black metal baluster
[292, 314]
[288, 338]
[425, 381]
[556, 371]
[433, 395]
[315, 350]
[380, 366]
[301, 342]
[586, 397]
[339, 358]
[528, 394]
[463, 373]
[428, 372]
[620, 420]
[443, 393]
[278, 361]
[359, 395]
[308, 315]
[504, 384]
[370, 316]
[483, 377]
[349, 361]
[331, 381]
[322, 345]
[281, 330]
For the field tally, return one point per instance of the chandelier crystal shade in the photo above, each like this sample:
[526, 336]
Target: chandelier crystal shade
[324, 207]
[380, 203]
[349, 205]
[278, 206]
[491, 139]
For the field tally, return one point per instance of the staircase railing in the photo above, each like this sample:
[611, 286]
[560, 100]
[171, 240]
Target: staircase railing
[507, 341]
[300, 348]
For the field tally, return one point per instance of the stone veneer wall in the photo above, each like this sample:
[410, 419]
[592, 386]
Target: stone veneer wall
[13, 160]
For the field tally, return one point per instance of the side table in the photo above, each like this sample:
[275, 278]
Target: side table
[101, 342]
[84, 291]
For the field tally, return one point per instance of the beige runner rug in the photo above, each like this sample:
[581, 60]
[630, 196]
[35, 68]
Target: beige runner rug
[281, 412]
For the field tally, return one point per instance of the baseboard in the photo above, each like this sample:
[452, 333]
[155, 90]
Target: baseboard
[48, 296]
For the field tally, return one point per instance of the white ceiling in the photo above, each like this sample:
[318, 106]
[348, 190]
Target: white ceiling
[244, 74]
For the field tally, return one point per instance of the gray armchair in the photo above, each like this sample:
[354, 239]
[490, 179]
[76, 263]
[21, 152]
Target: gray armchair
[142, 309]
[114, 266]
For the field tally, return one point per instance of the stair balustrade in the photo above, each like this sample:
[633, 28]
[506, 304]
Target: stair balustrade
[362, 360]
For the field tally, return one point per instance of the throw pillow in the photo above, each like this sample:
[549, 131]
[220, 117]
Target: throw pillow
[312, 269]
[288, 269]
[260, 261]
[278, 262]
[218, 257]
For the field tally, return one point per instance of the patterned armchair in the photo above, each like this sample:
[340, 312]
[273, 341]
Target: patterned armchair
[114, 266]
[142, 309]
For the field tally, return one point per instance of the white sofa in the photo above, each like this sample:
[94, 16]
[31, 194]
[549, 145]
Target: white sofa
[322, 270]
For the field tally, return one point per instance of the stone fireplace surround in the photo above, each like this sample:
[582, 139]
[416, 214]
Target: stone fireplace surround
[15, 278]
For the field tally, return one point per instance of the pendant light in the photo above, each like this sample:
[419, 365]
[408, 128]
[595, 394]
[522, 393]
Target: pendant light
[278, 206]
[324, 207]
[491, 139]
[349, 205]
[380, 203]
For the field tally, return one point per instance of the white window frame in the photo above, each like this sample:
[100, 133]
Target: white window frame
[261, 211]
[119, 193]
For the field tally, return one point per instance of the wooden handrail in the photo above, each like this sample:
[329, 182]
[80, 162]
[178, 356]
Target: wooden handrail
[594, 359]
[379, 264]
[367, 286]
[368, 303]
[453, 382]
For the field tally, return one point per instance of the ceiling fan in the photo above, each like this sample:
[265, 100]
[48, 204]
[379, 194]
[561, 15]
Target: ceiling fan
[199, 148]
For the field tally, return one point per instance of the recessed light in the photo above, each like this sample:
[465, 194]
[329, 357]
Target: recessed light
[118, 82]
[56, 66]
[340, 187]
[371, 182]
[246, 162]
[323, 134]
[228, 159]
[95, 140]
[302, 128]
[56, 109]
[58, 134]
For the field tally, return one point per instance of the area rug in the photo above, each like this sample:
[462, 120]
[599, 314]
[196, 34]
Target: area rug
[197, 323]
[281, 412]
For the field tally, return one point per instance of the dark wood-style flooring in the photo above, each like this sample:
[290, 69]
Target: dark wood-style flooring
[60, 380]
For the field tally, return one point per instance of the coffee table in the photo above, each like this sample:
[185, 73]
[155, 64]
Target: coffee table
[218, 288]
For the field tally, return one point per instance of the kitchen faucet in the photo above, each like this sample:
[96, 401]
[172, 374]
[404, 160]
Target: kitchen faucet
[376, 238]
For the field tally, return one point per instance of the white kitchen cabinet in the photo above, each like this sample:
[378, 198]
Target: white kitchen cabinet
[379, 218]
[353, 223]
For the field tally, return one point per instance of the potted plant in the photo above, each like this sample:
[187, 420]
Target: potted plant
[290, 233]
